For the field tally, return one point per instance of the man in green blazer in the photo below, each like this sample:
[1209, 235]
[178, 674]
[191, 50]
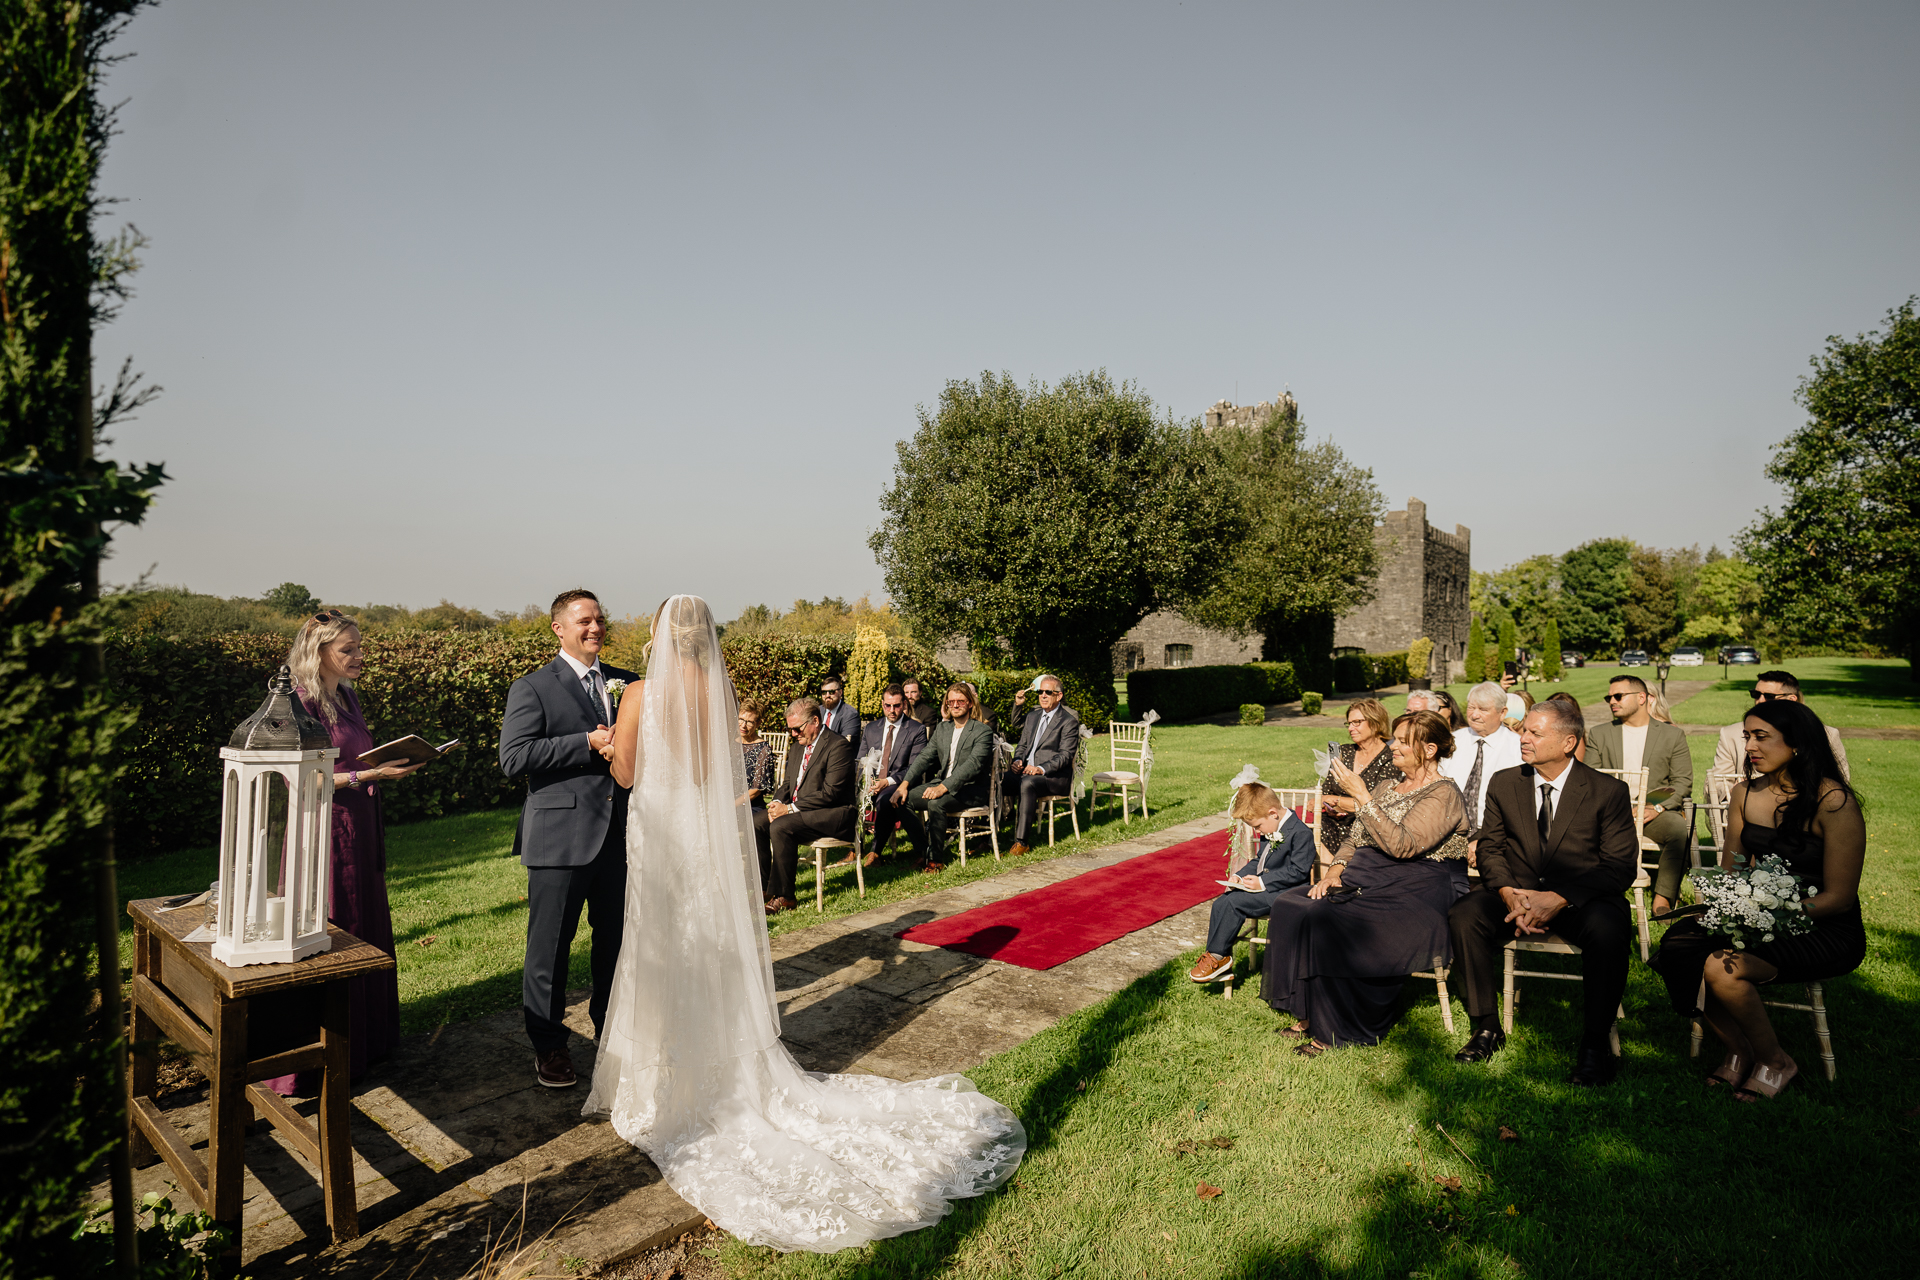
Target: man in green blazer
[953, 773]
[1635, 740]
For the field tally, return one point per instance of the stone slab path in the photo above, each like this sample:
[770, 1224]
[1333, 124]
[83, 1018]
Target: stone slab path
[455, 1143]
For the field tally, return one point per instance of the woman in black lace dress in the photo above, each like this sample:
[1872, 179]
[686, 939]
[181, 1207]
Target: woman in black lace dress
[1371, 756]
[1797, 805]
[757, 751]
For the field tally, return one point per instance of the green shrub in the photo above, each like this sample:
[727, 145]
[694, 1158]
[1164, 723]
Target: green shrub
[1352, 673]
[1310, 703]
[1092, 700]
[1389, 669]
[1253, 714]
[1186, 693]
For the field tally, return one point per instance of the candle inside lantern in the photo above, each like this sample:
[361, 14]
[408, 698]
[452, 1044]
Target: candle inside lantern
[276, 917]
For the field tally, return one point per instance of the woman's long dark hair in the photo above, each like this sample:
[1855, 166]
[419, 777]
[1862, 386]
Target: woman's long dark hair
[1812, 764]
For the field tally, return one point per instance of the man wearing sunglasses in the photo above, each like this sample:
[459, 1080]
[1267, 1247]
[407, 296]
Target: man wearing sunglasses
[1049, 740]
[1635, 740]
[1730, 755]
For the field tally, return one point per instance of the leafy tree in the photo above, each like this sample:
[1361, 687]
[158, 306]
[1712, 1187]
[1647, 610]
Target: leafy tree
[1042, 523]
[1529, 590]
[293, 599]
[1309, 554]
[62, 1106]
[1841, 560]
[1550, 650]
[867, 670]
[1593, 592]
[1649, 611]
[1726, 603]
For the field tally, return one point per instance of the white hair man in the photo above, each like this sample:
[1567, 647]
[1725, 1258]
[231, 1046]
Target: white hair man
[1427, 700]
[1482, 749]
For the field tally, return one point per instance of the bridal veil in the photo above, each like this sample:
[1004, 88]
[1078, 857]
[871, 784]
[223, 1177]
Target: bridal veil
[690, 1066]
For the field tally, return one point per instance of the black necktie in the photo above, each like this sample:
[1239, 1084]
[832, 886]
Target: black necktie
[593, 696]
[1546, 812]
[1473, 783]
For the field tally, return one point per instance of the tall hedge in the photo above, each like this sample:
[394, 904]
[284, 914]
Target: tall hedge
[186, 695]
[1187, 693]
[1092, 700]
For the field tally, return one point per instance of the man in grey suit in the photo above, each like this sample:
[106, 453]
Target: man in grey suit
[836, 714]
[1043, 762]
[897, 739]
[1730, 753]
[1635, 740]
[572, 833]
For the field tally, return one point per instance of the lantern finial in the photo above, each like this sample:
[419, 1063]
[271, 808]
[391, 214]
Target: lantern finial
[281, 723]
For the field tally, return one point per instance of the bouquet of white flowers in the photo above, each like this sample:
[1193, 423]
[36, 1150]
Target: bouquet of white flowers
[1764, 899]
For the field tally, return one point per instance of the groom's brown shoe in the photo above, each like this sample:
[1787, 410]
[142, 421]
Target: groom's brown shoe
[776, 905]
[554, 1070]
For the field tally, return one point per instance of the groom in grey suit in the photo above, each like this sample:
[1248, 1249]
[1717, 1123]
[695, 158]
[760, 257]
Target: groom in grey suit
[572, 834]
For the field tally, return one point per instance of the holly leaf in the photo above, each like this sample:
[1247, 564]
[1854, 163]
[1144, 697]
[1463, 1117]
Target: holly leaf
[1206, 1192]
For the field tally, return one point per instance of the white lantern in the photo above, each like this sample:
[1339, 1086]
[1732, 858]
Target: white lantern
[276, 834]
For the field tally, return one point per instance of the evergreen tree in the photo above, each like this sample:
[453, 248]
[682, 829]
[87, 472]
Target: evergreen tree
[1476, 651]
[1550, 650]
[1508, 643]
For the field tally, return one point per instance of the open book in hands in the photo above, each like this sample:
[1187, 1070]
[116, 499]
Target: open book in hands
[412, 749]
[1252, 884]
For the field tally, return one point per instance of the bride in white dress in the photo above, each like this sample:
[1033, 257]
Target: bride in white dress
[690, 1064]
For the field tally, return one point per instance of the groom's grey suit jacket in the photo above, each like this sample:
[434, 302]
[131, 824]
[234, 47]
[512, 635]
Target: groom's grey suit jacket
[572, 798]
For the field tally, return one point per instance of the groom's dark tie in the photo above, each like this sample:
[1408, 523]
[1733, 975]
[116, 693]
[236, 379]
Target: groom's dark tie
[596, 694]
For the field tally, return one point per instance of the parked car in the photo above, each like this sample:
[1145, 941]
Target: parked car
[1739, 655]
[1688, 656]
[1633, 658]
[1572, 658]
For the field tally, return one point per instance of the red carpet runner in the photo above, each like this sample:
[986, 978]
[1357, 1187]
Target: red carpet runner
[1045, 927]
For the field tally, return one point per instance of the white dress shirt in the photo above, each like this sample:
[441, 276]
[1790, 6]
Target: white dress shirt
[1502, 752]
[1558, 784]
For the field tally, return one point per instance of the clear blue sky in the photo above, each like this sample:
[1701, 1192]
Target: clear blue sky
[487, 300]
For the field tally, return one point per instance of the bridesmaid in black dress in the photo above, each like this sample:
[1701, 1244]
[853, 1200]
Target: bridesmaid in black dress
[1339, 951]
[1795, 804]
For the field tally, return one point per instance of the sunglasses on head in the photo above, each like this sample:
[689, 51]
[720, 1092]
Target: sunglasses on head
[329, 615]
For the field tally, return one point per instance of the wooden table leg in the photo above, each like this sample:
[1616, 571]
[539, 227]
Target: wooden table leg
[336, 1150]
[228, 1110]
[143, 1067]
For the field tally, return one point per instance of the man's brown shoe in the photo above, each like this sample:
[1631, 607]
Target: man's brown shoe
[776, 905]
[1212, 968]
[554, 1070]
[1017, 849]
[870, 860]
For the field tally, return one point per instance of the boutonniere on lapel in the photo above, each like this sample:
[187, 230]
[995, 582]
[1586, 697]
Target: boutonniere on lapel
[614, 689]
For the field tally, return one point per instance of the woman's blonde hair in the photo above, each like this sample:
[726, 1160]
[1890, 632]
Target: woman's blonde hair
[316, 633]
[1376, 715]
[686, 630]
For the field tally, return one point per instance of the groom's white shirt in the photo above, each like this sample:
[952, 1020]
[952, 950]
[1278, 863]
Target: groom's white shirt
[580, 673]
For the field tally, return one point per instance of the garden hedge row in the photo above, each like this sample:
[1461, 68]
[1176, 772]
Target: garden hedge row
[1093, 701]
[1186, 693]
[188, 695]
[1353, 672]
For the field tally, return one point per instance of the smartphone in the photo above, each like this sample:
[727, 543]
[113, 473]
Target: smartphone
[1510, 668]
[1333, 749]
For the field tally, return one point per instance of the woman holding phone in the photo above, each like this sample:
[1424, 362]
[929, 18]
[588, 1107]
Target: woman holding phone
[1369, 755]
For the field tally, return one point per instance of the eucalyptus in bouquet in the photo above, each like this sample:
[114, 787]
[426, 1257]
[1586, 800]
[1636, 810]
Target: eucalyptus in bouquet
[1764, 900]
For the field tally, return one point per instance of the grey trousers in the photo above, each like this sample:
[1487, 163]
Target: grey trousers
[1670, 830]
[554, 898]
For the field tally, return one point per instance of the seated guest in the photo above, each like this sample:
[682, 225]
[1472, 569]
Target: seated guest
[756, 751]
[1730, 753]
[1634, 740]
[1456, 719]
[954, 772]
[817, 799]
[835, 713]
[897, 739]
[1370, 756]
[1580, 748]
[1482, 749]
[1018, 719]
[1339, 952]
[1795, 804]
[1426, 700]
[1043, 762]
[918, 707]
[980, 711]
[1557, 853]
[1282, 858]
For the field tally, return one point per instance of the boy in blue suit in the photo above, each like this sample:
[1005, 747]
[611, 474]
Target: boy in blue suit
[1282, 858]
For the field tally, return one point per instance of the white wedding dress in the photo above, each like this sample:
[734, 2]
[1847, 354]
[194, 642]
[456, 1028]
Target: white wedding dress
[690, 1065]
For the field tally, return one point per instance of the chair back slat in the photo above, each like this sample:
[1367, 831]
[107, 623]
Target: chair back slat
[1636, 780]
[778, 744]
[1127, 743]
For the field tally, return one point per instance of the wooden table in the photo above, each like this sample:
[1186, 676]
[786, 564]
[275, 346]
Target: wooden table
[181, 993]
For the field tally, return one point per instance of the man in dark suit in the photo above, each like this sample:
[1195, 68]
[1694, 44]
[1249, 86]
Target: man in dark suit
[815, 800]
[572, 833]
[1043, 762]
[836, 713]
[1557, 853]
[953, 773]
[898, 739]
[919, 708]
[1635, 740]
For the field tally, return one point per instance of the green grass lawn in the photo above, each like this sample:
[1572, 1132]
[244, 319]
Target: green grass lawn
[1859, 693]
[1333, 1163]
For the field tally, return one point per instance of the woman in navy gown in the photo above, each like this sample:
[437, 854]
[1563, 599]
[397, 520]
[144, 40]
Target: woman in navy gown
[1339, 951]
[1796, 804]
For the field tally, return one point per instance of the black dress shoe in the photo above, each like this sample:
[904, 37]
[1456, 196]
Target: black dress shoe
[1594, 1068]
[1481, 1046]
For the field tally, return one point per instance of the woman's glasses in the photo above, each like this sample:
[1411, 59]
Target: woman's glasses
[329, 615]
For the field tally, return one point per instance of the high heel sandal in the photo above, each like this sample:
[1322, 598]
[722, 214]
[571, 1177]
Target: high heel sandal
[1731, 1072]
[1767, 1082]
[1297, 1031]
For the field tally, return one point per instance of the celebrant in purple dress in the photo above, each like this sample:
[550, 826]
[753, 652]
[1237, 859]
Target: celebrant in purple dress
[326, 660]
